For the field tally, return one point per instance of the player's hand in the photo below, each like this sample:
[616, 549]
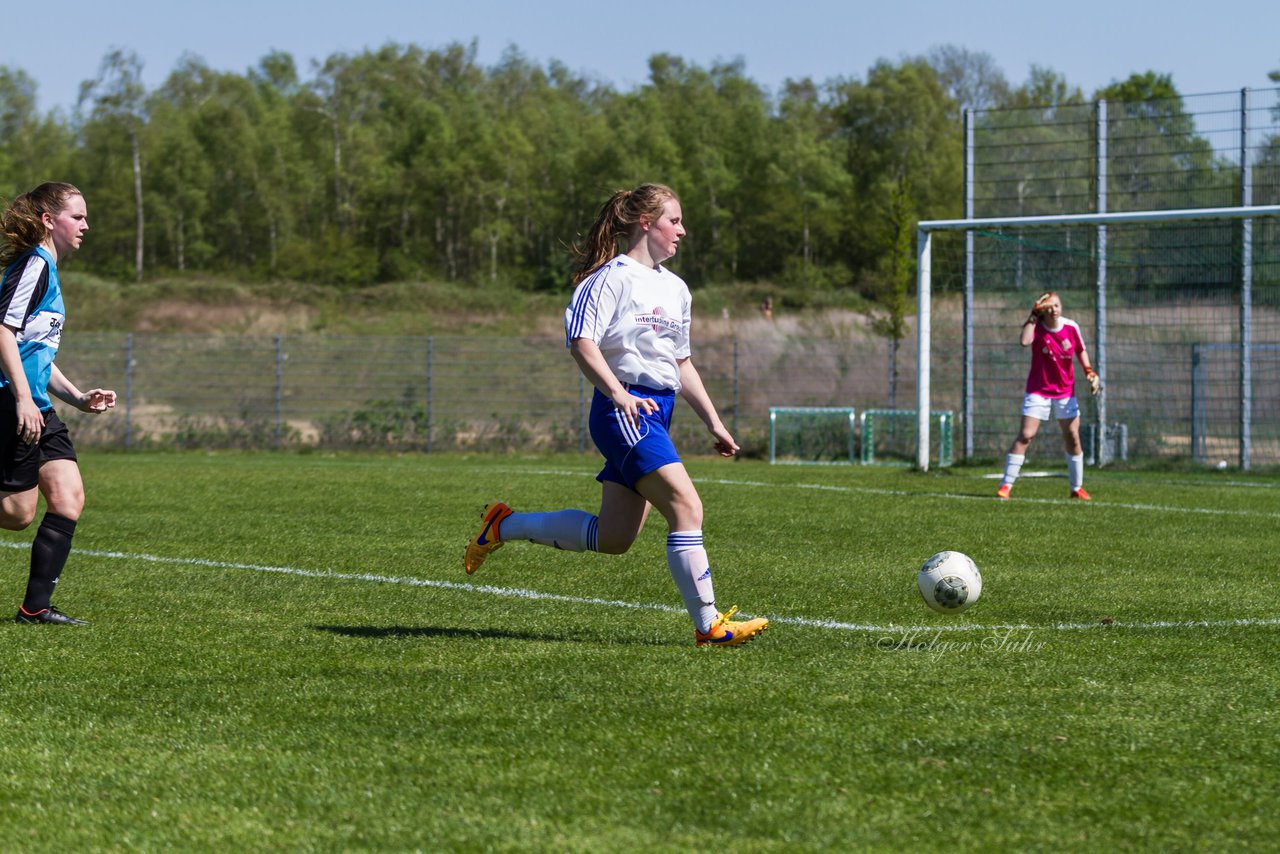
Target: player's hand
[1042, 304]
[98, 400]
[1095, 382]
[30, 421]
[632, 407]
[725, 445]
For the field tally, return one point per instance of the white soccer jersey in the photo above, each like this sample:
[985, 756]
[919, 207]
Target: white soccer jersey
[638, 316]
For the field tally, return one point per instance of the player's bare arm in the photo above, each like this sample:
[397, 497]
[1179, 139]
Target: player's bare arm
[593, 366]
[695, 394]
[94, 401]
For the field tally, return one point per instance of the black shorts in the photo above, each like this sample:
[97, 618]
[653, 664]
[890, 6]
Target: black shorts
[20, 461]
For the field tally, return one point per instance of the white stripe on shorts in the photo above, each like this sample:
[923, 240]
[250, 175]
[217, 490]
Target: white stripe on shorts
[630, 433]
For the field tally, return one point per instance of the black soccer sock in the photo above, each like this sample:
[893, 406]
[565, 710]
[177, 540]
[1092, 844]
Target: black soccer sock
[48, 557]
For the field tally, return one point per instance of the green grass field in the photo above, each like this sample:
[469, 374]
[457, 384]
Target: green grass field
[286, 655]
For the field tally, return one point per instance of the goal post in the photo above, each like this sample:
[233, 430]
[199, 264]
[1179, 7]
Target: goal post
[924, 340]
[1137, 226]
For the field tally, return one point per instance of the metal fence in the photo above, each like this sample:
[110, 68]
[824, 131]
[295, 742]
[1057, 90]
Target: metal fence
[1175, 328]
[1162, 154]
[442, 393]
[1183, 317]
[1173, 384]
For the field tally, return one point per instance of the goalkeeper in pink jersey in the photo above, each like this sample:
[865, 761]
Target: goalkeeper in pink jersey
[1055, 344]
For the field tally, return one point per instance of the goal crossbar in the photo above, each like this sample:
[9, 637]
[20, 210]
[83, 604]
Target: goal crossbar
[1098, 218]
[924, 275]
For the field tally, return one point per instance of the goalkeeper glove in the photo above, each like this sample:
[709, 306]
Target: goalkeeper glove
[1095, 382]
[1042, 304]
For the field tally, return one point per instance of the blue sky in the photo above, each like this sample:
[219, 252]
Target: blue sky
[1207, 47]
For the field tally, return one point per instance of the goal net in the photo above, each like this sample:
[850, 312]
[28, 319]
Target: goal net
[813, 435]
[889, 437]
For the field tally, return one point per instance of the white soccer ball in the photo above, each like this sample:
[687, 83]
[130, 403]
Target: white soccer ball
[950, 582]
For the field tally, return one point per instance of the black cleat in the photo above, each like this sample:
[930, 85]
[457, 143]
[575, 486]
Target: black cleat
[50, 615]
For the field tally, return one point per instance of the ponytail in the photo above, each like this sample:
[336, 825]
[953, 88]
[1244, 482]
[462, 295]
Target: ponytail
[617, 217]
[22, 223]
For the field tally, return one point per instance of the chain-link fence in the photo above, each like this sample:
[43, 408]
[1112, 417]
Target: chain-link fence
[1173, 382]
[1173, 343]
[445, 392]
[1162, 154]
[1183, 317]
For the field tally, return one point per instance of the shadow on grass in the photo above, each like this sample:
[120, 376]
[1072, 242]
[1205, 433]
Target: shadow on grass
[488, 634]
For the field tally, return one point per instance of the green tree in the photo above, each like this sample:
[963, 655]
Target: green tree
[1036, 154]
[699, 130]
[282, 182]
[794, 228]
[572, 157]
[903, 154]
[117, 97]
[443, 161]
[971, 79]
[1045, 91]
[1157, 159]
[897, 272]
[33, 147]
[901, 136]
[180, 181]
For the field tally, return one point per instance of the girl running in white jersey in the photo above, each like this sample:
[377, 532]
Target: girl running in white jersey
[627, 326]
[1055, 343]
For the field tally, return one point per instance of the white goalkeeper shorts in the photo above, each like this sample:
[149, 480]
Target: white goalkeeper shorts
[1044, 408]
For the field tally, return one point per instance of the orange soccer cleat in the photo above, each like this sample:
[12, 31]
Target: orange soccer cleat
[489, 539]
[727, 632]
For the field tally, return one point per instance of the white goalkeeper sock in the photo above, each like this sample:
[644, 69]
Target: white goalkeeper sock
[1012, 468]
[571, 530]
[1075, 471]
[691, 571]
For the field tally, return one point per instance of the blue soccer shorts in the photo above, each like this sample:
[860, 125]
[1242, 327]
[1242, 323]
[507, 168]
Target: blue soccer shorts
[632, 451]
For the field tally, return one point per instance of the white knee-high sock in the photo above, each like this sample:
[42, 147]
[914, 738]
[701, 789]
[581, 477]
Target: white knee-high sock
[571, 530]
[1012, 467]
[691, 571]
[1075, 471]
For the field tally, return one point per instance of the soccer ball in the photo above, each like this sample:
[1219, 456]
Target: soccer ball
[950, 582]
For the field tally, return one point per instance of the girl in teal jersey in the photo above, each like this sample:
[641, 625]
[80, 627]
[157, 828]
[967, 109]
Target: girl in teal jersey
[36, 454]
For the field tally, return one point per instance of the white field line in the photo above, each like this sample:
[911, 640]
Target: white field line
[521, 593]
[870, 490]
[1243, 484]
[997, 475]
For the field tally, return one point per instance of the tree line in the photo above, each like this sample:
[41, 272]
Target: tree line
[404, 163]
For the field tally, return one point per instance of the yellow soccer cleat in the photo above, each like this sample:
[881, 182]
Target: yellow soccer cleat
[727, 632]
[489, 539]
